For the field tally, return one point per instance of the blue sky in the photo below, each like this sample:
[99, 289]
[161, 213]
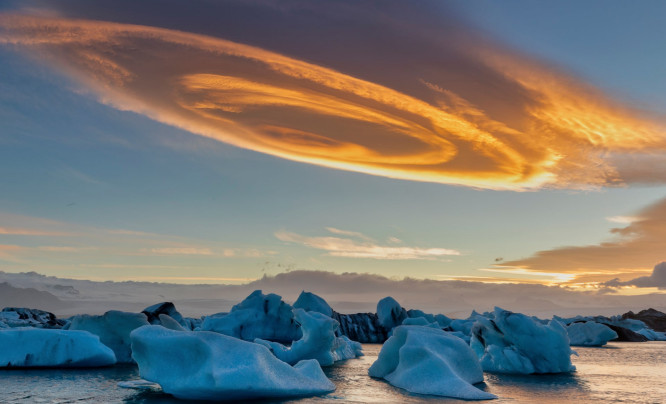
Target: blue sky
[113, 194]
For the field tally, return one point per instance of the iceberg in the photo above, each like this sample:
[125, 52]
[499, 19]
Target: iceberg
[390, 313]
[201, 365]
[318, 342]
[589, 333]
[515, 343]
[311, 302]
[361, 327]
[260, 316]
[40, 347]
[113, 328]
[425, 360]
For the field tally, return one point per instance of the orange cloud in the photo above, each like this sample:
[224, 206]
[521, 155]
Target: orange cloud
[563, 133]
[633, 251]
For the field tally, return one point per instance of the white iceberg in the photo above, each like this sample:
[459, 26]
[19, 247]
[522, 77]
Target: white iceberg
[311, 302]
[515, 343]
[200, 365]
[113, 329]
[318, 342]
[424, 360]
[589, 333]
[258, 316]
[38, 347]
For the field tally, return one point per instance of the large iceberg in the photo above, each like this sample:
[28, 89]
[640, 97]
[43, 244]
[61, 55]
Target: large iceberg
[425, 360]
[113, 329]
[515, 343]
[200, 365]
[589, 333]
[318, 342]
[258, 316]
[37, 347]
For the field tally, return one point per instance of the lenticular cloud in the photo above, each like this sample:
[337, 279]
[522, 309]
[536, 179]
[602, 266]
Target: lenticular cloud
[541, 129]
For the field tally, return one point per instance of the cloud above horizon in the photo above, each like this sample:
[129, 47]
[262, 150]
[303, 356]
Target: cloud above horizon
[655, 280]
[467, 112]
[632, 251]
[358, 245]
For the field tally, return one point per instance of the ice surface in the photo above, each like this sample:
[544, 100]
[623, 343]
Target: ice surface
[390, 313]
[318, 342]
[113, 328]
[311, 302]
[515, 343]
[589, 333]
[260, 316]
[200, 365]
[37, 347]
[424, 360]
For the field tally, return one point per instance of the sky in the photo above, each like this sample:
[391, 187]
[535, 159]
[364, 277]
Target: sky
[221, 142]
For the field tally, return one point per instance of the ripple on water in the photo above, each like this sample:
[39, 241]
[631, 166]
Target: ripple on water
[620, 373]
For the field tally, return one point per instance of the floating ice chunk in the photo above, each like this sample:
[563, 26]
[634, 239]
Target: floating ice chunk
[428, 361]
[113, 328]
[515, 343]
[589, 333]
[311, 302]
[258, 316]
[200, 365]
[318, 342]
[37, 347]
[390, 313]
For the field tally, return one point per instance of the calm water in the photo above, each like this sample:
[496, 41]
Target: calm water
[618, 373]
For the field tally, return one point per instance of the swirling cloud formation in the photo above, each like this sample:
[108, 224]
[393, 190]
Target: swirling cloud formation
[543, 129]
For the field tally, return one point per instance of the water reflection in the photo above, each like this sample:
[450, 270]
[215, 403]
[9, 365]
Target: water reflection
[623, 372]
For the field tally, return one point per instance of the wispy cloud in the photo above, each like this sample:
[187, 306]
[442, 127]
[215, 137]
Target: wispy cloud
[17, 231]
[623, 219]
[527, 127]
[364, 247]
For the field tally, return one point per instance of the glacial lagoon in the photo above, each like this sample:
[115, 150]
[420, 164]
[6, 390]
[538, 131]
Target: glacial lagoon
[620, 372]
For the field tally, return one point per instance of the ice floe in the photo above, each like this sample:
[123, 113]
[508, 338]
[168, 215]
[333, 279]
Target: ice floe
[425, 360]
[39, 347]
[201, 365]
[515, 343]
